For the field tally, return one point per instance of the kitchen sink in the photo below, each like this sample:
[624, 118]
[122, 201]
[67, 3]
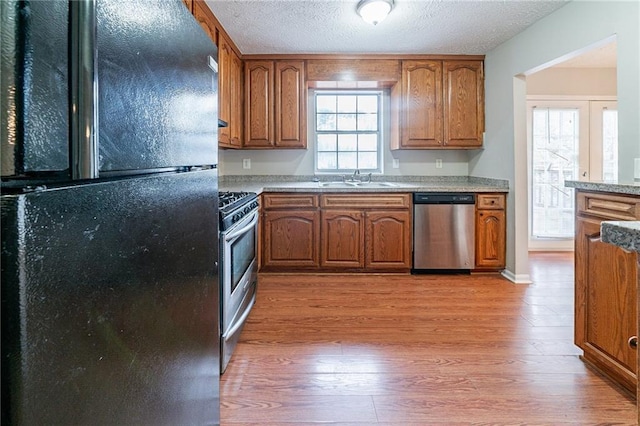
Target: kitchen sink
[356, 184]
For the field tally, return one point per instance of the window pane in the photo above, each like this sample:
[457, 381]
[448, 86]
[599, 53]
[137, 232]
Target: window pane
[367, 160]
[346, 122]
[327, 142]
[347, 142]
[325, 103]
[368, 103]
[347, 103]
[554, 160]
[326, 122]
[368, 122]
[347, 130]
[609, 145]
[347, 160]
[327, 161]
[368, 142]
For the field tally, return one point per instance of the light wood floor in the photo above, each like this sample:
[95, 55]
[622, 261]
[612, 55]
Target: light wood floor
[417, 350]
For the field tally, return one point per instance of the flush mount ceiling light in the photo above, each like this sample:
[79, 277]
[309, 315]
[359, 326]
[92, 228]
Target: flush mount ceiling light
[374, 11]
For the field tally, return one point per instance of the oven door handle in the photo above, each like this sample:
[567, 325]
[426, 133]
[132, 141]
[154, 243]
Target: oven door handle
[230, 236]
[241, 320]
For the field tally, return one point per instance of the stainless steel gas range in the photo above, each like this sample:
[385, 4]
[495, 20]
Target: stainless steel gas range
[238, 266]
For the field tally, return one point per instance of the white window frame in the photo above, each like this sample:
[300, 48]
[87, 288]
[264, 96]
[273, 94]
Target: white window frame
[380, 147]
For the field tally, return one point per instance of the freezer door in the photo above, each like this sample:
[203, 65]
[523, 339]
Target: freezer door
[158, 100]
[110, 303]
[35, 99]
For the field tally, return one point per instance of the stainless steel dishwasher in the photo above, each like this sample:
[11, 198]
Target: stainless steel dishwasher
[443, 231]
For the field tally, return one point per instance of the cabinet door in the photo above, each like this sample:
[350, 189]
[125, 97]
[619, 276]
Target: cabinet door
[290, 94]
[188, 4]
[205, 18]
[342, 236]
[388, 240]
[605, 303]
[421, 109]
[490, 239]
[224, 89]
[463, 103]
[291, 239]
[258, 108]
[236, 94]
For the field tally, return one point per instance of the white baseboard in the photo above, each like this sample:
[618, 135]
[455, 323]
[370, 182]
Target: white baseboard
[517, 279]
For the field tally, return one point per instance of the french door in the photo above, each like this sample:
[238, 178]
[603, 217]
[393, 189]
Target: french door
[568, 140]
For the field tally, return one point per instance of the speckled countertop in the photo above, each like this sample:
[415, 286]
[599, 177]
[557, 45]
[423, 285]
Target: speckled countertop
[630, 188]
[277, 183]
[625, 234]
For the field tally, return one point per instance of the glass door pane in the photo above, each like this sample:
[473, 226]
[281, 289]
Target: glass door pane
[555, 152]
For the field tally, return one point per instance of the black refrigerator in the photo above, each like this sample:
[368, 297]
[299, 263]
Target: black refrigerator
[110, 296]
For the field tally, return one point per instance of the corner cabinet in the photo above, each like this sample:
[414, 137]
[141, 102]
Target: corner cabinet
[491, 231]
[606, 288]
[230, 91]
[275, 104]
[441, 105]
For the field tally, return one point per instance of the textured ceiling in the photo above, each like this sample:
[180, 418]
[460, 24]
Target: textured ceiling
[413, 26]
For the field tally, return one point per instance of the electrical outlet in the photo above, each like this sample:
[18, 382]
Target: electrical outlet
[396, 163]
[246, 163]
[439, 163]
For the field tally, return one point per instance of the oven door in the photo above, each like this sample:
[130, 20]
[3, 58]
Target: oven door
[239, 273]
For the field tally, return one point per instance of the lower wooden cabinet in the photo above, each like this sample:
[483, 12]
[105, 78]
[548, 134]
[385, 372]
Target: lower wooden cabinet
[388, 240]
[491, 231]
[290, 232]
[606, 289]
[337, 232]
[342, 236]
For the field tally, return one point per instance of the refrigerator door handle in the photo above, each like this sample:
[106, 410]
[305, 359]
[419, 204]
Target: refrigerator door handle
[84, 90]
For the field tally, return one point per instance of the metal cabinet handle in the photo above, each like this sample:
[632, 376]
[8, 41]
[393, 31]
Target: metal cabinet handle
[633, 342]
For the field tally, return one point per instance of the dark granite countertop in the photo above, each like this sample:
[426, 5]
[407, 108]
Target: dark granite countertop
[625, 234]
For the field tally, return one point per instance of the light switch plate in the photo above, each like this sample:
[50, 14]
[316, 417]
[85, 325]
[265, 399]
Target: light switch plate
[396, 163]
[439, 163]
[246, 163]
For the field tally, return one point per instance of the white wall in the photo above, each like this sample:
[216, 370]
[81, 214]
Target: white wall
[301, 161]
[573, 27]
[573, 81]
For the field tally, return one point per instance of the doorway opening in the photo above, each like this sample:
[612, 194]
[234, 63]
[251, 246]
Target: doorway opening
[571, 135]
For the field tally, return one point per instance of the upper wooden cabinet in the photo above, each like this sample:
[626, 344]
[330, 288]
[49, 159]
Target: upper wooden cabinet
[463, 103]
[188, 4]
[230, 93]
[224, 89]
[291, 101]
[441, 105]
[421, 109]
[258, 104]
[205, 18]
[275, 104]
[236, 83]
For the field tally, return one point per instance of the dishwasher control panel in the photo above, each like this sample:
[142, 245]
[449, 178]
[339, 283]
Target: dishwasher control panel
[443, 198]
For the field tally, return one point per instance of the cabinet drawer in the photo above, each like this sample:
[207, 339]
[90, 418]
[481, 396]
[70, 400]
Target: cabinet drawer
[366, 201]
[288, 201]
[606, 206]
[491, 201]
